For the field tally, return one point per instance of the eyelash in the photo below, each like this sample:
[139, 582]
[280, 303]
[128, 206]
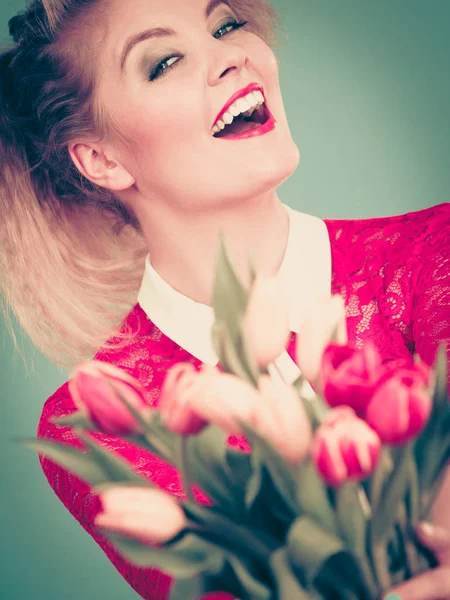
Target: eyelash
[158, 72]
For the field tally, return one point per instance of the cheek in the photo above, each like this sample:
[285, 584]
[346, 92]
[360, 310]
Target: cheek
[262, 58]
[160, 125]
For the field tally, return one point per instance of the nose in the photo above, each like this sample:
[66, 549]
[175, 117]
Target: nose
[225, 58]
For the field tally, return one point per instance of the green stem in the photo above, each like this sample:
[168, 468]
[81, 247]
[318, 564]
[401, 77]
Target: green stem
[183, 467]
[381, 566]
[222, 531]
[158, 447]
[412, 558]
[414, 492]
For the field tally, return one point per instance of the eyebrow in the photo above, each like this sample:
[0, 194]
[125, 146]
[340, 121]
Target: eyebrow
[158, 32]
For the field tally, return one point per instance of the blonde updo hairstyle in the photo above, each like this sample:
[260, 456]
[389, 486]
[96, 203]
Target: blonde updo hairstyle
[72, 254]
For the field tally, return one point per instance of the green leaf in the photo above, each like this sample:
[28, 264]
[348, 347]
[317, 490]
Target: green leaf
[217, 528]
[341, 578]
[250, 582]
[235, 355]
[383, 517]
[264, 455]
[159, 440]
[432, 445]
[248, 358]
[81, 464]
[353, 518]
[218, 330]
[309, 546]
[229, 296]
[233, 362]
[380, 478]
[186, 589]
[183, 467]
[115, 467]
[208, 468]
[186, 558]
[240, 468]
[287, 586]
[76, 419]
[313, 498]
[411, 555]
[298, 383]
[193, 589]
[353, 514]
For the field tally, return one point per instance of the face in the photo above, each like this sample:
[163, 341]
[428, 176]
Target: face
[172, 88]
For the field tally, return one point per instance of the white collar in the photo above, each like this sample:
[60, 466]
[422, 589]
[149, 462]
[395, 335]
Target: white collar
[306, 265]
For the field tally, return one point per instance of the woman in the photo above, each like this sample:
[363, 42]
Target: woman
[116, 133]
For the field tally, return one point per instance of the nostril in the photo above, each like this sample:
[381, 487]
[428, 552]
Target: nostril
[226, 71]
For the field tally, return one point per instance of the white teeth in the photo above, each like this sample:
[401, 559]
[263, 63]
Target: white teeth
[245, 106]
[227, 118]
[249, 113]
[259, 96]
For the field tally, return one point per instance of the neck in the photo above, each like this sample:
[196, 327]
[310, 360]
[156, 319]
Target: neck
[183, 244]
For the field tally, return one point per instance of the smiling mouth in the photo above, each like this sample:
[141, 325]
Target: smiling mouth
[242, 124]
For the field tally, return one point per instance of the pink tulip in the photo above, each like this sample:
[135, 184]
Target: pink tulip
[401, 405]
[148, 515]
[213, 397]
[345, 447]
[174, 401]
[349, 376]
[283, 421]
[267, 304]
[319, 321]
[274, 410]
[88, 386]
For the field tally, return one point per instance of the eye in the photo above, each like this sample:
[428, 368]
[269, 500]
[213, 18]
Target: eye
[233, 24]
[163, 66]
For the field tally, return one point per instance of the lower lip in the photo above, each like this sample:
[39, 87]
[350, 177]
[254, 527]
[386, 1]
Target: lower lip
[256, 131]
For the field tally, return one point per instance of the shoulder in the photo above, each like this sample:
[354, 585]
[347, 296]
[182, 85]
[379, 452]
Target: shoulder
[376, 242]
[412, 221]
[147, 356]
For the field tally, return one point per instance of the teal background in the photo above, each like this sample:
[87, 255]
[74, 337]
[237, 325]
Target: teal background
[367, 92]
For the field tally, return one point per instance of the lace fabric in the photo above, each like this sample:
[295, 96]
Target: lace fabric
[394, 275]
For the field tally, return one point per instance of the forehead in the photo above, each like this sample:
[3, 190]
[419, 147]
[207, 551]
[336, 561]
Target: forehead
[125, 18]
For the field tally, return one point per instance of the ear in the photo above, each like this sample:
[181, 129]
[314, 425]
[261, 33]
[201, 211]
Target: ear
[95, 166]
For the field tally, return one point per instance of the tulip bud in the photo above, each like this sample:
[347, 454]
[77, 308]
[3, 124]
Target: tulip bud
[267, 304]
[209, 396]
[319, 320]
[345, 447]
[148, 515]
[176, 410]
[94, 398]
[401, 405]
[349, 376]
[282, 420]
[274, 410]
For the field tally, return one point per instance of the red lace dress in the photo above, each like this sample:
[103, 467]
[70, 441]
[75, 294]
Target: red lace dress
[394, 274]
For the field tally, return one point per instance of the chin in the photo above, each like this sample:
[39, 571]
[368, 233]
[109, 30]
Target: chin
[282, 166]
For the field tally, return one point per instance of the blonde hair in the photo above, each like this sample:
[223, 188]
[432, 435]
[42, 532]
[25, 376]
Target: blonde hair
[72, 254]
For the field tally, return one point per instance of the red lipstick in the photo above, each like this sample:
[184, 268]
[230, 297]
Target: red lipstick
[267, 126]
[253, 87]
[256, 131]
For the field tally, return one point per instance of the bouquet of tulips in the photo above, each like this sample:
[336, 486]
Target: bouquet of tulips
[344, 461]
